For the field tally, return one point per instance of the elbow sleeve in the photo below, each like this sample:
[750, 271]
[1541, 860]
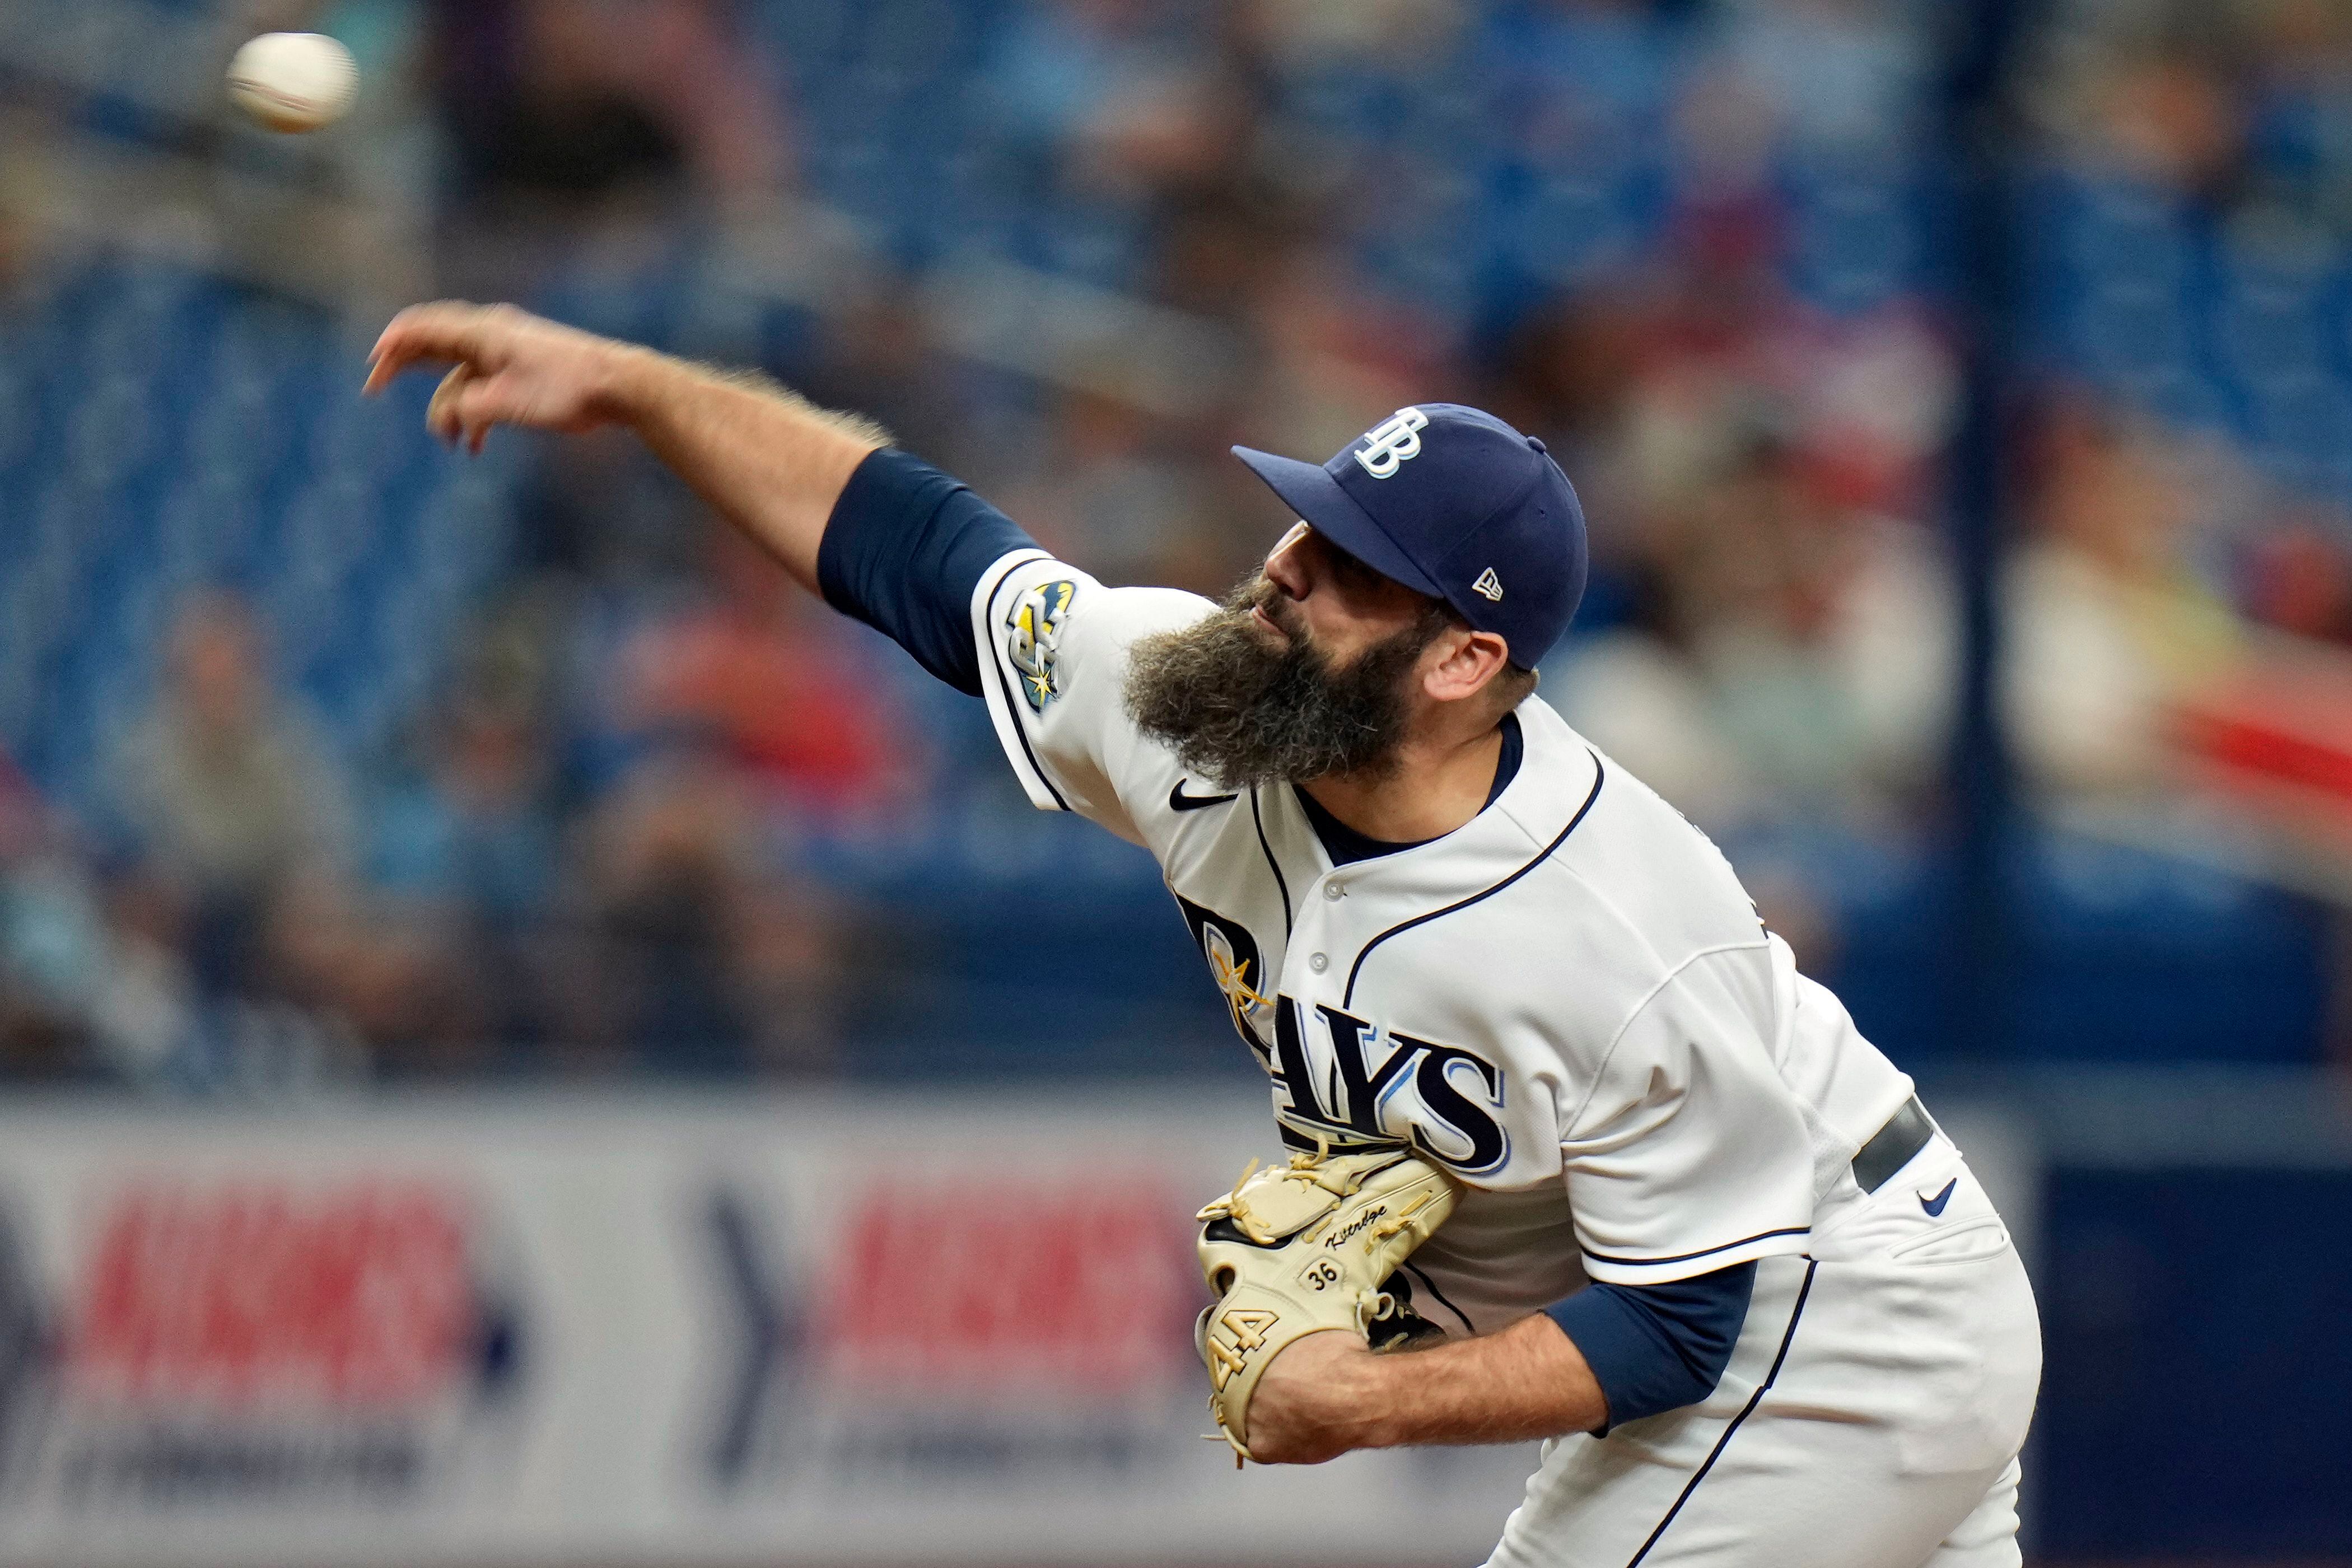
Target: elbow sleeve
[1655, 1348]
[904, 549]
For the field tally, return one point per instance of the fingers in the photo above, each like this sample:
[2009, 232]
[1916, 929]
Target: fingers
[438, 334]
[441, 414]
[464, 408]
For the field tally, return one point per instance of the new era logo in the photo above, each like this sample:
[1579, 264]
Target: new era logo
[1489, 586]
[1389, 443]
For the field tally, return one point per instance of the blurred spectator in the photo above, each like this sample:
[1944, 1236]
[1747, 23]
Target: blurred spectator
[599, 508]
[881, 355]
[476, 833]
[696, 952]
[2168, 114]
[1868, 399]
[1118, 91]
[579, 98]
[1693, 245]
[346, 991]
[2237, 102]
[1112, 492]
[2107, 624]
[1829, 76]
[1792, 660]
[1567, 372]
[2299, 576]
[25, 205]
[78, 997]
[2301, 99]
[465, 858]
[559, 114]
[230, 794]
[749, 661]
[1334, 354]
[1635, 690]
[1829, 638]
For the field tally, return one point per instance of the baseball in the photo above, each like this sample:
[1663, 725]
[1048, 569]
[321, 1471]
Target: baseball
[293, 81]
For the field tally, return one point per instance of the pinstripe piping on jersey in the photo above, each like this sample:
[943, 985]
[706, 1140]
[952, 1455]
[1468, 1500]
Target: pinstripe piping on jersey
[1348, 996]
[1271, 863]
[1702, 1252]
[1011, 708]
[1431, 1286]
[1745, 1410]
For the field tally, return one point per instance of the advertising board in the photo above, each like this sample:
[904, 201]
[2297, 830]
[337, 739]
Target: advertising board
[837, 1328]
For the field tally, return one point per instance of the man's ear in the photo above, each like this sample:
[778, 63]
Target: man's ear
[1467, 661]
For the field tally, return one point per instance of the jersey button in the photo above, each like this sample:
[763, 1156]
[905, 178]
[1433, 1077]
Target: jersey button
[1317, 963]
[1333, 891]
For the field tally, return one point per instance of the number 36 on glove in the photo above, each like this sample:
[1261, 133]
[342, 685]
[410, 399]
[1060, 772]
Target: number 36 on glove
[1300, 1248]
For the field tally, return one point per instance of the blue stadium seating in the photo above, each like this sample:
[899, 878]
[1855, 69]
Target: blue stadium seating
[182, 433]
[181, 430]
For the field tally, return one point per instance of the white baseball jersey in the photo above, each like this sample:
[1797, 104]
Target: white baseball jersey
[1570, 1003]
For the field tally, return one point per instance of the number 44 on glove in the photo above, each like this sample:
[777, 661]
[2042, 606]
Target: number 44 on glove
[1300, 1248]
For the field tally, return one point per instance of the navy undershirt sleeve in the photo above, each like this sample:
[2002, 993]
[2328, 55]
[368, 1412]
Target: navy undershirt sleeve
[1655, 1348]
[903, 552]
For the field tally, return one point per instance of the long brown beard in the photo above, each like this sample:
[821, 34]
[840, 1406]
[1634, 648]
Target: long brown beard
[1241, 710]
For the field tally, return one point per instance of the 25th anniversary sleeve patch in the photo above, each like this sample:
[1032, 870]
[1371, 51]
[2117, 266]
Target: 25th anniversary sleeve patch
[1033, 639]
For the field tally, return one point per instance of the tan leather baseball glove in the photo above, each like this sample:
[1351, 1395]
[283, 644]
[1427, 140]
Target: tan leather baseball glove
[1303, 1249]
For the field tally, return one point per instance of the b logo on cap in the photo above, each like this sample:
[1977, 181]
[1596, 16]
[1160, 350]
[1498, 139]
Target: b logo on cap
[1389, 443]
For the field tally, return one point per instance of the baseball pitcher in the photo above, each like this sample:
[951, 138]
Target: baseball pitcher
[1574, 1151]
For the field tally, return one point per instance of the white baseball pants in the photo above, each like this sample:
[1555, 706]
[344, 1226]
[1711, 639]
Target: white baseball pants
[1871, 1417]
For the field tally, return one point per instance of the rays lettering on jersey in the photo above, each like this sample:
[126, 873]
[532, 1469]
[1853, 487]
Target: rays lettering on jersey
[1032, 639]
[1384, 1085]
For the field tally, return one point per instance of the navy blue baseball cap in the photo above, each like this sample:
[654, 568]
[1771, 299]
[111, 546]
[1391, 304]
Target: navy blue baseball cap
[1453, 503]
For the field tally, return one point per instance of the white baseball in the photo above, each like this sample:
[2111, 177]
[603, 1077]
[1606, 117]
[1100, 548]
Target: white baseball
[293, 81]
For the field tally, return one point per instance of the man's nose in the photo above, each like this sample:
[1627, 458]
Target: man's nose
[1284, 568]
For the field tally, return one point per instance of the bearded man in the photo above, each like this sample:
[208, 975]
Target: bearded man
[1708, 1246]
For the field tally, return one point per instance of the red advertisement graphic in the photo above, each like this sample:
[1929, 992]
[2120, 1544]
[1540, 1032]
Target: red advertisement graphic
[1086, 1288]
[989, 1329]
[267, 1339]
[357, 1296]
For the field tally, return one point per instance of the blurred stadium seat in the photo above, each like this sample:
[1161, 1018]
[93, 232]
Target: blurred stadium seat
[183, 430]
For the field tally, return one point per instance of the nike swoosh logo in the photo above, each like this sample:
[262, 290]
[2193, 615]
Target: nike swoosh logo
[1178, 801]
[1934, 1205]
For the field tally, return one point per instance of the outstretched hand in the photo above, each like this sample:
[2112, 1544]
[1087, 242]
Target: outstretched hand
[762, 457]
[507, 367]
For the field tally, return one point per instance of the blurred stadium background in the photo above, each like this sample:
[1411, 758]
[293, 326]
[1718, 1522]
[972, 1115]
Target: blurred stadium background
[483, 968]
